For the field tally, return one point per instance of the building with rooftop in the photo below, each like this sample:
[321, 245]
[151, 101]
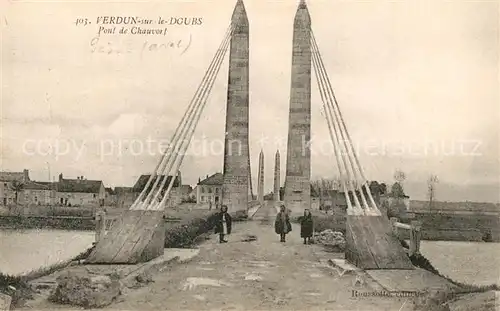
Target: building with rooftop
[209, 190]
[11, 185]
[79, 192]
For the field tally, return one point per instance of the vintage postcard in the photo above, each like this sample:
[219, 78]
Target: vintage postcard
[250, 155]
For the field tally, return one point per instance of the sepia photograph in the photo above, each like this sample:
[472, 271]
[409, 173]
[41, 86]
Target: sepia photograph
[250, 155]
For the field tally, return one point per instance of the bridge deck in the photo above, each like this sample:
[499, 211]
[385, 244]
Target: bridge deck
[371, 244]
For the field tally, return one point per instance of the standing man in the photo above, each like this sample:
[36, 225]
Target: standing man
[223, 224]
[282, 225]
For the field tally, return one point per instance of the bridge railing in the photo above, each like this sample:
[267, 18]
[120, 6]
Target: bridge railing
[415, 233]
[253, 207]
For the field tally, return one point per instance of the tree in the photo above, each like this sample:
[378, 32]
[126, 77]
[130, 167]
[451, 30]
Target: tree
[16, 186]
[397, 190]
[399, 176]
[431, 189]
[383, 188]
[374, 187]
[323, 186]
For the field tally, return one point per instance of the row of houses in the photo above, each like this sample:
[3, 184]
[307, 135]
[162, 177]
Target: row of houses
[16, 188]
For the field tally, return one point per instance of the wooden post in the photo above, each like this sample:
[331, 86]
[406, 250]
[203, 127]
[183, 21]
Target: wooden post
[100, 224]
[413, 245]
[394, 220]
[416, 227]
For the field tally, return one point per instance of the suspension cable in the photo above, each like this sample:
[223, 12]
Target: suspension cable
[333, 134]
[344, 157]
[334, 115]
[342, 122]
[161, 205]
[211, 73]
[347, 144]
[187, 114]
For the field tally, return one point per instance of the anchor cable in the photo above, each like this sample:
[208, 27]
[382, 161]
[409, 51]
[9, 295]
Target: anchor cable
[197, 98]
[178, 132]
[342, 122]
[329, 120]
[185, 143]
[333, 112]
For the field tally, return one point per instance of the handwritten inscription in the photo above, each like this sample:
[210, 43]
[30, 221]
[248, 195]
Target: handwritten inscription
[106, 46]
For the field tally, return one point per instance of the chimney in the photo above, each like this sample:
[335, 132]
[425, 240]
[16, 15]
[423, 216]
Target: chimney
[60, 177]
[26, 176]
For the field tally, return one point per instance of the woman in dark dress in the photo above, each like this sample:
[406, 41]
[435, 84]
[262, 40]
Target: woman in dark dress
[306, 226]
[223, 224]
[282, 225]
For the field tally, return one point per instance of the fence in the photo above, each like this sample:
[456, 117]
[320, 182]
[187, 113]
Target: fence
[415, 233]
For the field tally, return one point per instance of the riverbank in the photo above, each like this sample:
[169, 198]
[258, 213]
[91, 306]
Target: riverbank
[75, 218]
[449, 226]
[186, 232]
[47, 222]
[18, 286]
[435, 226]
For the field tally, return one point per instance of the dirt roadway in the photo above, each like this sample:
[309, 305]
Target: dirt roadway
[259, 275]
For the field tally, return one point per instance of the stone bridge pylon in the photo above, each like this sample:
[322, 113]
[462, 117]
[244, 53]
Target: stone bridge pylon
[236, 185]
[298, 162]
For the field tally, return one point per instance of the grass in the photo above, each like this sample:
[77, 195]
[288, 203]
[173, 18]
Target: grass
[186, 232]
[34, 210]
[41, 222]
[18, 286]
[438, 300]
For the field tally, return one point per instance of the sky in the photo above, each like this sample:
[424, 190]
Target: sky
[416, 80]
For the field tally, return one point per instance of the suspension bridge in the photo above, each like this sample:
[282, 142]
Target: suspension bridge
[370, 242]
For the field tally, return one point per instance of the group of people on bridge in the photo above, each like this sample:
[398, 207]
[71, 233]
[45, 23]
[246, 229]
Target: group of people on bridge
[282, 224]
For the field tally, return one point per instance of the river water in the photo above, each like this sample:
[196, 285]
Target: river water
[467, 262]
[24, 250]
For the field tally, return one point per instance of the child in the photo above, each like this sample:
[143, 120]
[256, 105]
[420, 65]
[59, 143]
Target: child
[282, 225]
[223, 224]
[306, 227]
